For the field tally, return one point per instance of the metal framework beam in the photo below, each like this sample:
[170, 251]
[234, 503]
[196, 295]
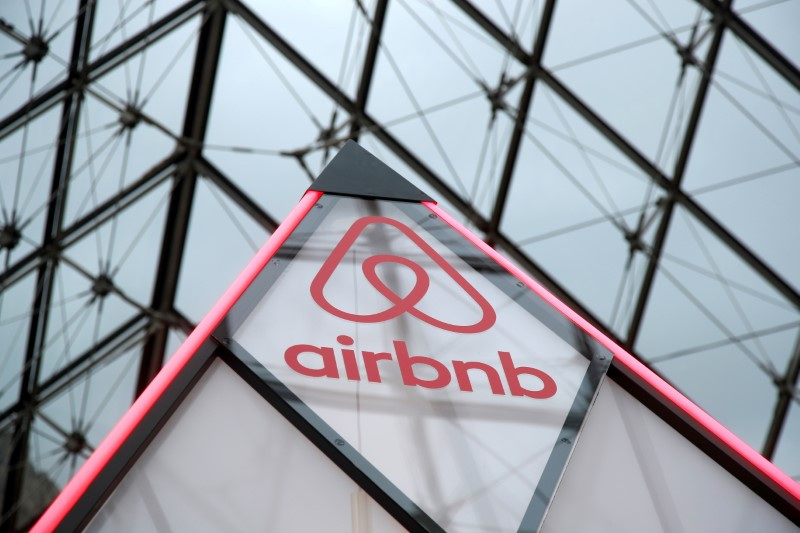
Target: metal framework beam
[205, 168]
[368, 68]
[209, 46]
[519, 123]
[706, 69]
[787, 387]
[754, 40]
[508, 42]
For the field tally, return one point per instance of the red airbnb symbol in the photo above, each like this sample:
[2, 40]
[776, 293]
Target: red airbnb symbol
[400, 304]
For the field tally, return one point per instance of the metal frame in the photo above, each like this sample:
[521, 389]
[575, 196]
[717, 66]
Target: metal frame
[188, 163]
[209, 45]
[675, 184]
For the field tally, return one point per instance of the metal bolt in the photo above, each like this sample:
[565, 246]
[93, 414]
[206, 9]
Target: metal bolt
[35, 49]
[432, 215]
[75, 442]
[102, 286]
[339, 442]
[565, 440]
[130, 117]
[10, 236]
[520, 284]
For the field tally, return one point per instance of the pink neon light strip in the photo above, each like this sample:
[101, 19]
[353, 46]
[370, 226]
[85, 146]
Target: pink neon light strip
[634, 365]
[78, 485]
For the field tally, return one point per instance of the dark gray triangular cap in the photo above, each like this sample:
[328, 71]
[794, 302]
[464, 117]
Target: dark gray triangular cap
[356, 172]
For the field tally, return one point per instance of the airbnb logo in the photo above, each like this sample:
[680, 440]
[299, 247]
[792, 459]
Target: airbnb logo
[399, 303]
[501, 374]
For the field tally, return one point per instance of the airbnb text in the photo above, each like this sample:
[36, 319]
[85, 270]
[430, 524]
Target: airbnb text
[418, 370]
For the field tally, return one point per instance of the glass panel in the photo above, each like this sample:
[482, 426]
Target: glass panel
[35, 49]
[79, 318]
[519, 20]
[222, 239]
[144, 87]
[762, 212]
[627, 65]
[579, 210]
[775, 21]
[121, 255]
[227, 461]
[116, 22]
[104, 279]
[108, 157]
[657, 479]
[15, 319]
[261, 133]
[129, 120]
[455, 110]
[731, 324]
[344, 28]
[26, 167]
[744, 167]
